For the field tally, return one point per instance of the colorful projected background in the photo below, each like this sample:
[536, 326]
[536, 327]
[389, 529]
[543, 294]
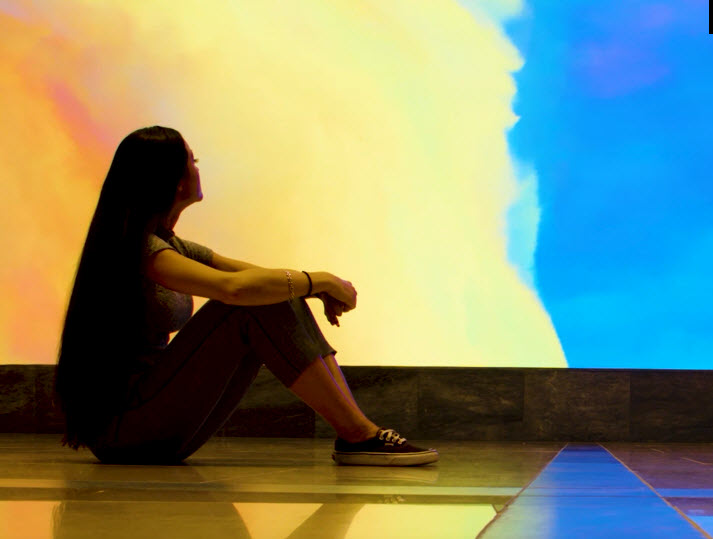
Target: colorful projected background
[506, 183]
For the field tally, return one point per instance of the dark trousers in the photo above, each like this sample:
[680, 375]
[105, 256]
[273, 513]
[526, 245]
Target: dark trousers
[195, 384]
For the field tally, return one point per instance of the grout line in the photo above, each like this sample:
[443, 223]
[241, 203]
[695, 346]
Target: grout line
[270, 488]
[516, 496]
[691, 522]
[697, 461]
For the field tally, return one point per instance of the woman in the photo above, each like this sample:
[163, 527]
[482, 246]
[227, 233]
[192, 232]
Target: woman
[132, 397]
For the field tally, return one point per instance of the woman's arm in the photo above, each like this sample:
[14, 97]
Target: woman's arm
[228, 264]
[249, 286]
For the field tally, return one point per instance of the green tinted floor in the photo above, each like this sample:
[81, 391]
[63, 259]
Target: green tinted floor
[278, 488]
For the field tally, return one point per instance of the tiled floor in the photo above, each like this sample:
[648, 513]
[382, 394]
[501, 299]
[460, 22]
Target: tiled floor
[278, 488]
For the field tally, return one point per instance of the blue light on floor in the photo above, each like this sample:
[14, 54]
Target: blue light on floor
[585, 492]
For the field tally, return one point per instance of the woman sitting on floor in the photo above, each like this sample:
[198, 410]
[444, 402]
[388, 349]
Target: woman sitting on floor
[131, 396]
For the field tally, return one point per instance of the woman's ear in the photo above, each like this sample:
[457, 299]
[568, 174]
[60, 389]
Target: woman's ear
[181, 186]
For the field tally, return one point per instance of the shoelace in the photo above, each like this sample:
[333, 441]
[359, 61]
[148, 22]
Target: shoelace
[391, 436]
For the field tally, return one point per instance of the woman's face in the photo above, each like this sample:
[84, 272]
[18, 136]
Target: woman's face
[189, 188]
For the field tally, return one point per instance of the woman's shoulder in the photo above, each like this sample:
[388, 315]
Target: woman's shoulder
[184, 247]
[193, 250]
[154, 244]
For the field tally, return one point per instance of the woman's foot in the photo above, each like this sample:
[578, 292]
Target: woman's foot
[387, 448]
[358, 434]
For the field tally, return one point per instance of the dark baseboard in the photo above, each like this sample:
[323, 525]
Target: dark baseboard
[451, 403]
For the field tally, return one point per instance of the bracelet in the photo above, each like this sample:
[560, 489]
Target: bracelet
[290, 286]
[309, 292]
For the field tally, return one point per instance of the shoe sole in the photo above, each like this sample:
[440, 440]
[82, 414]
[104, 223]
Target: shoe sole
[365, 458]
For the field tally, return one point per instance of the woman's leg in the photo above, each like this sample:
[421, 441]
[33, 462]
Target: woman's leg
[202, 375]
[338, 376]
[226, 405]
[205, 370]
[322, 386]
[317, 387]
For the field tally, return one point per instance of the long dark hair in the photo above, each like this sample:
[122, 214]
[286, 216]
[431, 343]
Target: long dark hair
[102, 328]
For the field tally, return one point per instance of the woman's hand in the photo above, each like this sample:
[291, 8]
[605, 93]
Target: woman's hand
[340, 290]
[332, 308]
[338, 295]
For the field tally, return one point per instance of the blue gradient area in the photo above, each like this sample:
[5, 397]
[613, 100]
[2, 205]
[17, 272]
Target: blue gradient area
[617, 122]
[586, 492]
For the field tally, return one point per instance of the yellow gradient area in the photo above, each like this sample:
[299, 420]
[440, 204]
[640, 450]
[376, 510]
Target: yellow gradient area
[365, 521]
[186, 519]
[364, 138]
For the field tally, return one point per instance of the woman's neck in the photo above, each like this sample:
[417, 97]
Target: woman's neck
[170, 220]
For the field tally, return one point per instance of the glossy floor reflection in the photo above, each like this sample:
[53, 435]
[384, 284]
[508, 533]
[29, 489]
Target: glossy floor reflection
[278, 488]
[257, 488]
[681, 473]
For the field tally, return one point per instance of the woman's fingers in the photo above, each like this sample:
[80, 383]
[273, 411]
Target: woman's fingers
[332, 317]
[333, 308]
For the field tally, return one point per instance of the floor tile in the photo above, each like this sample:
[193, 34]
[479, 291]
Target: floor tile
[680, 473]
[586, 492]
[276, 488]
[258, 488]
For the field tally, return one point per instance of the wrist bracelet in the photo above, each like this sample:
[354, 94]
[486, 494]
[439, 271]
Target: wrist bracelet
[309, 292]
[290, 286]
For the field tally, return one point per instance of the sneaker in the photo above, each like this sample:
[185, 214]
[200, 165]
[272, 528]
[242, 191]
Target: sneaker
[387, 448]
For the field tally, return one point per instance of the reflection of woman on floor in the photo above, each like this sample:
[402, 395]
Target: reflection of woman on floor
[190, 513]
[128, 394]
[201, 518]
[149, 519]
